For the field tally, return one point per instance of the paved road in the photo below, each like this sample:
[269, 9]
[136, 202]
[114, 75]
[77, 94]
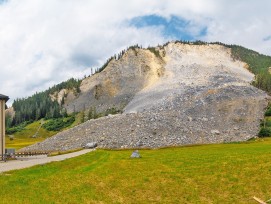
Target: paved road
[32, 161]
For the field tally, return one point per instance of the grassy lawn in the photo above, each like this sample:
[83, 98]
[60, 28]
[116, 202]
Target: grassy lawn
[224, 173]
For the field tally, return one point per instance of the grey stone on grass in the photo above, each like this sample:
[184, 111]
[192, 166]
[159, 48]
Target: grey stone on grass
[135, 154]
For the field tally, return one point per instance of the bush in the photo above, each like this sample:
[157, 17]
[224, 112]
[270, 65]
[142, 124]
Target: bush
[268, 112]
[265, 132]
[17, 128]
[154, 51]
[58, 124]
[112, 111]
[265, 123]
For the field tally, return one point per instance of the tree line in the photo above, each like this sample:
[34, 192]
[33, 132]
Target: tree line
[258, 64]
[40, 105]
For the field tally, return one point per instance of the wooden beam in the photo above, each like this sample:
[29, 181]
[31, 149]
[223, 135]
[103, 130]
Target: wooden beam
[259, 200]
[2, 126]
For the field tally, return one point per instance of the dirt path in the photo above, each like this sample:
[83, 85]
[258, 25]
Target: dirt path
[32, 161]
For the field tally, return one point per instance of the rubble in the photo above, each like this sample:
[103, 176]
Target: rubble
[203, 96]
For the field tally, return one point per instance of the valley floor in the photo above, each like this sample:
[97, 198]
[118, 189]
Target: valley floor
[221, 173]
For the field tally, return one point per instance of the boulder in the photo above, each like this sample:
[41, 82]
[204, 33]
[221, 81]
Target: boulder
[91, 145]
[135, 154]
[215, 132]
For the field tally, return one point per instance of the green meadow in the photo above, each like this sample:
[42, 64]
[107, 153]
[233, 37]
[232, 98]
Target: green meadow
[220, 173]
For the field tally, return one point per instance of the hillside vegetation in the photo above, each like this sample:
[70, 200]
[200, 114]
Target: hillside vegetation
[259, 64]
[225, 173]
[25, 136]
[40, 105]
[37, 131]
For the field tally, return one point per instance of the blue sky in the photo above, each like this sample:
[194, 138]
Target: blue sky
[173, 27]
[45, 42]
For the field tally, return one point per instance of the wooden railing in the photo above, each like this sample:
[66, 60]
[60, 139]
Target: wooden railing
[6, 157]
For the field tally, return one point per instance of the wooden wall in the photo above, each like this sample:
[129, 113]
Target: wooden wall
[2, 127]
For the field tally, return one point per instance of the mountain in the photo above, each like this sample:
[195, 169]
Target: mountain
[176, 94]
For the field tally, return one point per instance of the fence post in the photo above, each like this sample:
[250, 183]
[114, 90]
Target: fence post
[3, 100]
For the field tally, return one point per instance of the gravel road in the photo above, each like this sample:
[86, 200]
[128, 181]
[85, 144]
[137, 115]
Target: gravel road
[37, 160]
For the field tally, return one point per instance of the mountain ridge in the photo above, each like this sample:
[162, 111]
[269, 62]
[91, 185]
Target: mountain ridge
[175, 94]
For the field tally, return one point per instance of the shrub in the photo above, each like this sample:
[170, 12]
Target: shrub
[58, 124]
[17, 128]
[265, 132]
[268, 112]
[111, 111]
[154, 51]
[265, 123]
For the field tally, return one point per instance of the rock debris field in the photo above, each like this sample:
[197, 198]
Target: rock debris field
[202, 96]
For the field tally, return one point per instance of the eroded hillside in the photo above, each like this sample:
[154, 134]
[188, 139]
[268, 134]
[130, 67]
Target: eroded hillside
[119, 82]
[172, 95]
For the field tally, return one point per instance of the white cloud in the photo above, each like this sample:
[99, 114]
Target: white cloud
[46, 42]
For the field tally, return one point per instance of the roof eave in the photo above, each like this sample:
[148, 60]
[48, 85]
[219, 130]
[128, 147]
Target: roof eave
[3, 97]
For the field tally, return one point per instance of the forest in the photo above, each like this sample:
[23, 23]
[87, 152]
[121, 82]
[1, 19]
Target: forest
[40, 105]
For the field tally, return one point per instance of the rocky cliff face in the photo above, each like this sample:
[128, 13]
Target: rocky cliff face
[119, 82]
[175, 95]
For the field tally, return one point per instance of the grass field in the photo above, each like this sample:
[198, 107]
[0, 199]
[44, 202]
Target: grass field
[224, 173]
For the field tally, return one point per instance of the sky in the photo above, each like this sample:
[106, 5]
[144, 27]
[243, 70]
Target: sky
[43, 43]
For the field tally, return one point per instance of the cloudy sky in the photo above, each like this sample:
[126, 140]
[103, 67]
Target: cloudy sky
[46, 42]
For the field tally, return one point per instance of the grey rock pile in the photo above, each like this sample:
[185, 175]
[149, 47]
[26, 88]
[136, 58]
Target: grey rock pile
[203, 96]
